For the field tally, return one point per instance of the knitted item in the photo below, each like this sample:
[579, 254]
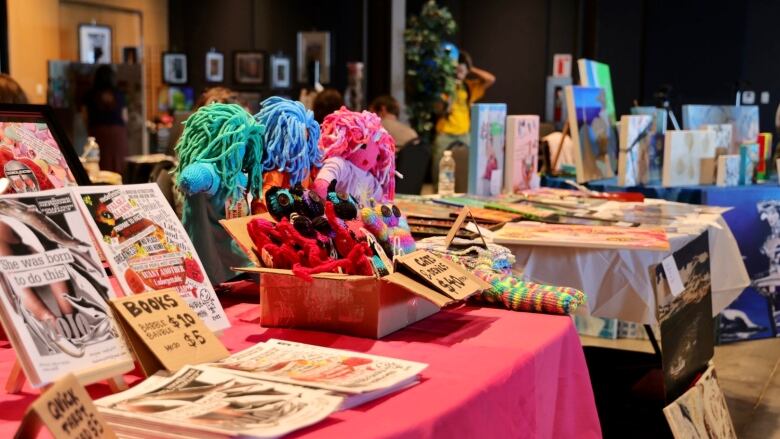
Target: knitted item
[390, 228]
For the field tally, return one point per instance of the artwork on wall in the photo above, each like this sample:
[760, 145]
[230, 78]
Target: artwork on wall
[743, 119]
[174, 68]
[633, 161]
[684, 153]
[215, 66]
[249, 67]
[95, 44]
[314, 57]
[595, 146]
[280, 71]
[486, 154]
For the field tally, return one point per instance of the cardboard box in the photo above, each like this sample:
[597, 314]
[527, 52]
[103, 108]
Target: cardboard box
[362, 306]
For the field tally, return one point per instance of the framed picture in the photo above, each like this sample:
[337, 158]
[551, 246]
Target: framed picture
[174, 68]
[39, 154]
[280, 71]
[94, 44]
[130, 55]
[314, 57]
[215, 67]
[249, 67]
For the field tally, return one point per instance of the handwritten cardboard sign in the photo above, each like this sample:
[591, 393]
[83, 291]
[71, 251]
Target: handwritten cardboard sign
[67, 411]
[164, 332]
[443, 275]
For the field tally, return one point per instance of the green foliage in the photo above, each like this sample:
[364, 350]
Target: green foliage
[430, 71]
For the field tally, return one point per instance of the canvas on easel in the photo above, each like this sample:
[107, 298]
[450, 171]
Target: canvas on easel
[595, 146]
[53, 303]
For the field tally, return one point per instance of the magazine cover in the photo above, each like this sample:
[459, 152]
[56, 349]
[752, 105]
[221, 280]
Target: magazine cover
[325, 368]
[655, 148]
[522, 153]
[595, 146]
[634, 160]
[701, 411]
[147, 247]
[743, 120]
[486, 150]
[684, 153]
[687, 329]
[31, 159]
[560, 235]
[55, 290]
[198, 400]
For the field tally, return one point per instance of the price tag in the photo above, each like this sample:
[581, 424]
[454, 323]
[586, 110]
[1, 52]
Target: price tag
[442, 275]
[164, 332]
[67, 411]
[673, 276]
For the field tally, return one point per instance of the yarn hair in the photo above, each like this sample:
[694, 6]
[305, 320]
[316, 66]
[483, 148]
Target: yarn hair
[291, 138]
[228, 137]
[343, 131]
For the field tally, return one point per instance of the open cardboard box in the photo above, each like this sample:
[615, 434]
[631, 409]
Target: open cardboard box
[362, 306]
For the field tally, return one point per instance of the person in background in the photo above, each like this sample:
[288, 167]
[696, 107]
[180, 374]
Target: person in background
[326, 102]
[455, 124]
[106, 114]
[10, 91]
[387, 108]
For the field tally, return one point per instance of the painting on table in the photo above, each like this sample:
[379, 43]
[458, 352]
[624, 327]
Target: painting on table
[633, 161]
[595, 145]
[743, 119]
[522, 153]
[684, 153]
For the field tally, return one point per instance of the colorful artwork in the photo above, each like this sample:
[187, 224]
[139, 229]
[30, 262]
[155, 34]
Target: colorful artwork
[743, 119]
[596, 74]
[748, 162]
[558, 235]
[634, 162]
[655, 148]
[31, 159]
[764, 154]
[701, 412]
[555, 101]
[522, 153]
[595, 146]
[486, 150]
[728, 170]
[684, 152]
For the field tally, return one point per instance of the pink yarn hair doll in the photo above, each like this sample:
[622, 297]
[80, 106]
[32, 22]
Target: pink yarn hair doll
[359, 155]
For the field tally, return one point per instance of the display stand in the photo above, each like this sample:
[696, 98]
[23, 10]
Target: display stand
[17, 378]
[554, 163]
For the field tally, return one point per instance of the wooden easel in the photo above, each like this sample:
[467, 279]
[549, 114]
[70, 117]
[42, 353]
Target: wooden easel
[17, 378]
[554, 162]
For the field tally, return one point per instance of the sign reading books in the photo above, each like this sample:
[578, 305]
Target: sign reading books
[165, 332]
[444, 276]
[67, 411]
[147, 247]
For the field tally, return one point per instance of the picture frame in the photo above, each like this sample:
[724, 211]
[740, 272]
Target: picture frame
[280, 71]
[130, 55]
[95, 43]
[249, 67]
[174, 65]
[314, 47]
[11, 114]
[215, 67]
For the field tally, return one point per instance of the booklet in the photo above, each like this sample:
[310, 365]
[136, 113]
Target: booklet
[55, 291]
[147, 247]
[201, 401]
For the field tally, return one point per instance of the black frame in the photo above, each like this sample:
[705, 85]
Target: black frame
[263, 69]
[110, 40]
[34, 113]
[206, 73]
[186, 66]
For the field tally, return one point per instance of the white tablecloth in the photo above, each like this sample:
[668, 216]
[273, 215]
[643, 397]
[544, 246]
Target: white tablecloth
[617, 282]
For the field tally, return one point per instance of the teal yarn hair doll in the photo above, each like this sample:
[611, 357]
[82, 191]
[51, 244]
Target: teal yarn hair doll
[220, 161]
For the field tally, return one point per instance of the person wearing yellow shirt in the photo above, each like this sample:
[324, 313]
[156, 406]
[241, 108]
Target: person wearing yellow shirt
[455, 124]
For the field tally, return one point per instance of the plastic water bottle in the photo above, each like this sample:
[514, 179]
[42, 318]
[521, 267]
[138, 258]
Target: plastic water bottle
[447, 174]
[91, 157]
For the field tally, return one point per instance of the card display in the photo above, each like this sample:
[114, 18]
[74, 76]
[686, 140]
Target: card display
[684, 153]
[54, 296]
[486, 150]
[634, 160]
[522, 153]
[147, 247]
[595, 146]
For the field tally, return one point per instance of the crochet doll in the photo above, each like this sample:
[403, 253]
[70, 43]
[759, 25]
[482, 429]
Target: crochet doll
[359, 156]
[387, 224]
[291, 138]
[220, 153]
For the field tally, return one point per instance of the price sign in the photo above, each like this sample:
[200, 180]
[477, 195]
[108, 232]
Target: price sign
[443, 275]
[164, 332]
[67, 411]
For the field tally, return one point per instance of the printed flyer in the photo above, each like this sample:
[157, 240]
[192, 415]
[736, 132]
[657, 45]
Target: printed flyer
[54, 289]
[147, 247]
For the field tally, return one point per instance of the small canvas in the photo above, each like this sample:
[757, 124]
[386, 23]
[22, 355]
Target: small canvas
[633, 161]
[596, 74]
[701, 411]
[486, 150]
[743, 119]
[595, 145]
[764, 154]
[596, 326]
[748, 159]
[684, 153]
[522, 153]
[728, 170]
[655, 148]
[723, 134]
[555, 101]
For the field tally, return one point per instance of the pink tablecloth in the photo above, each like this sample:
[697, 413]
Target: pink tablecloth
[492, 373]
